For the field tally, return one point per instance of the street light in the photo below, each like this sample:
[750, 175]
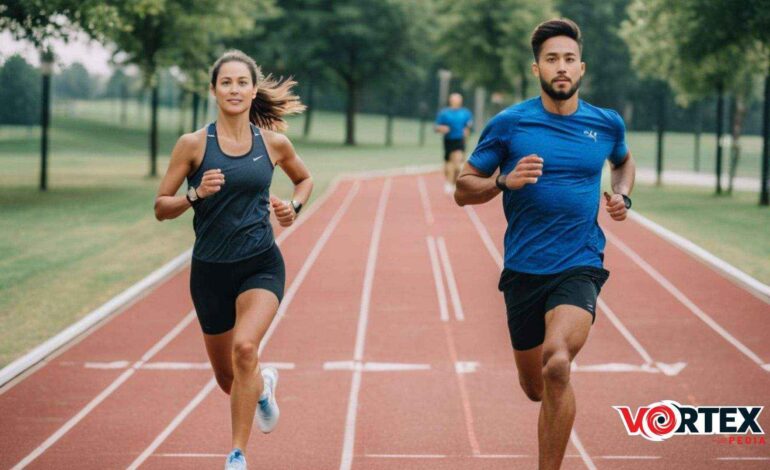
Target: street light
[46, 69]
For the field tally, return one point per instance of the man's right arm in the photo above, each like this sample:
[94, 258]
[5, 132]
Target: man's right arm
[474, 187]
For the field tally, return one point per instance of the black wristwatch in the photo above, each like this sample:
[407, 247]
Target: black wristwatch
[297, 206]
[500, 182]
[627, 201]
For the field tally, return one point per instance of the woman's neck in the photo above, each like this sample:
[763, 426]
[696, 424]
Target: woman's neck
[235, 127]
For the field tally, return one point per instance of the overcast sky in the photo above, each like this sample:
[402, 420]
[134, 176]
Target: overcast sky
[91, 54]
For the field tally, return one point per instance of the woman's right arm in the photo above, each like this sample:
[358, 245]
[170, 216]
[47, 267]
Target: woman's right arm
[167, 204]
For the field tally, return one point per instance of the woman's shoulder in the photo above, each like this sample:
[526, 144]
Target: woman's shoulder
[276, 140]
[192, 142]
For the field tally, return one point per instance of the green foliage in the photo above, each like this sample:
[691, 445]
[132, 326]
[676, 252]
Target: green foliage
[19, 92]
[486, 42]
[74, 82]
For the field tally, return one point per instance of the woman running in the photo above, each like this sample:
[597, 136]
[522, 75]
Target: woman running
[237, 278]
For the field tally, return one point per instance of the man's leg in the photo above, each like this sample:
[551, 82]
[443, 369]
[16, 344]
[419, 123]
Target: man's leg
[566, 331]
[529, 364]
[456, 160]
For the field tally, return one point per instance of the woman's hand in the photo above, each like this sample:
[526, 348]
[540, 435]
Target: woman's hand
[284, 211]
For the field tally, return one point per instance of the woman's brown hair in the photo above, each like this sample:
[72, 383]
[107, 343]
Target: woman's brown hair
[274, 97]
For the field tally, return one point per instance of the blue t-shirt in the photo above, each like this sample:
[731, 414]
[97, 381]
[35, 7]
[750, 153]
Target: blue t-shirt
[552, 224]
[457, 119]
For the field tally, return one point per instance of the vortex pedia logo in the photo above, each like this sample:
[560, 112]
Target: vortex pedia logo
[661, 420]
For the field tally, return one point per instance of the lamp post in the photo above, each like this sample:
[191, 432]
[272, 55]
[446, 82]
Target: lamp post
[443, 87]
[46, 69]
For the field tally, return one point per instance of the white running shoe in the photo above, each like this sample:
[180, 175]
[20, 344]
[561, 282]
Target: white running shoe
[267, 407]
[236, 460]
[448, 187]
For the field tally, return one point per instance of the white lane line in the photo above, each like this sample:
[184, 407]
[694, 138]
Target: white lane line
[466, 367]
[174, 423]
[484, 234]
[742, 458]
[454, 292]
[107, 365]
[199, 456]
[667, 369]
[492, 249]
[582, 451]
[373, 366]
[660, 279]
[72, 422]
[440, 292]
[287, 299]
[406, 456]
[464, 395]
[753, 285]
[425, 201]
[502, 456]
[363, 319]
[629, 457]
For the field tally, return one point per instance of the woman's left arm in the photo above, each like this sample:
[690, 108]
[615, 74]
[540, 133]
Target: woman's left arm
[286, 157]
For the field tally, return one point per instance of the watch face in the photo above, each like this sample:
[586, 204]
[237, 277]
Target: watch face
[191, 193]
[627, 200]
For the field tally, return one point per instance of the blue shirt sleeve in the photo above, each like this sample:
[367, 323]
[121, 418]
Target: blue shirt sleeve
[491, 149]
[468, 118]
[441, 118]
[620, 150]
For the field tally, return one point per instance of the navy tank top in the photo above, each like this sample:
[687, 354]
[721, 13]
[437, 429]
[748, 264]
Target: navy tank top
[234, 223]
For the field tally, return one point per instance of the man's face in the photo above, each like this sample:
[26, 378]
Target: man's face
[455, 100]
[559, 67]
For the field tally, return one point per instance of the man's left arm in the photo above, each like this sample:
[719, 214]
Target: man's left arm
[622, 181]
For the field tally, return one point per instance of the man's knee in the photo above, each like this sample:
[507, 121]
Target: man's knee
[556, 369]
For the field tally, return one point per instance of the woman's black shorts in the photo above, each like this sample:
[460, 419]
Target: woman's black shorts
[450, 145]
[529, 296]
[215, 286]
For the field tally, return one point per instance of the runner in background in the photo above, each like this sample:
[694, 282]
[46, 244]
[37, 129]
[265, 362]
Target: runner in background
[455, 123]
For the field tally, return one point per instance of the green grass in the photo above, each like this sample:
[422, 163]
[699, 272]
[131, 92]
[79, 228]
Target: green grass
[733, 228]
[93, 234]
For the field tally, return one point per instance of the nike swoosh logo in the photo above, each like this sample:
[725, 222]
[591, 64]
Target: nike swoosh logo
[255, 159]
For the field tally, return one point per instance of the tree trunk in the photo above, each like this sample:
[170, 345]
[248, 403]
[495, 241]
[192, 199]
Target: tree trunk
[123, 103]
[196, 98]
[154, 131]
[720, 125]
[389, 127]
[738, 113]
[182, 109]
[350, 113]
[524, 84]
[308, 111]
[764, 200]
[698, 132]
[661, 129]
[44, 120]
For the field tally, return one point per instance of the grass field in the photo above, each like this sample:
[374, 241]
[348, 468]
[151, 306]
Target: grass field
[67, 251]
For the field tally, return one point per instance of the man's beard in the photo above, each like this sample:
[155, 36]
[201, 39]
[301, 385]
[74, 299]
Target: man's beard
[559, 95]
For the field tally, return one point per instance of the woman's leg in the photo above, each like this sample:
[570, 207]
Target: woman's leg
[255, 310]
[220, 350]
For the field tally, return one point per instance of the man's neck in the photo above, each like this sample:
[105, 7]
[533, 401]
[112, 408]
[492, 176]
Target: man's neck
[562, 107]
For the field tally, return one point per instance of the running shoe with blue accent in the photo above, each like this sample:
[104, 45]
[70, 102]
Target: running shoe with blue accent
[236, 460]
[267, 407]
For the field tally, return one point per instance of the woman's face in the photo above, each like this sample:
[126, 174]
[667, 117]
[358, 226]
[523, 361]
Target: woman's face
[234, 89]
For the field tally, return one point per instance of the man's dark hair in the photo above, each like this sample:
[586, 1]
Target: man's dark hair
[552, 28]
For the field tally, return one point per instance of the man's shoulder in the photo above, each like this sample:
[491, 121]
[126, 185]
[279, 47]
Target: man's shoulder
[510, 116]
[608, 115]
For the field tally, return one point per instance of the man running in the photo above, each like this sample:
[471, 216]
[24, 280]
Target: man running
[550, 151]
[455, 123]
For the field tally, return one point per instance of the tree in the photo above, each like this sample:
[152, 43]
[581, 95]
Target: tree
[74, 82]
[21, 102]
[154, 33]
[486, 42]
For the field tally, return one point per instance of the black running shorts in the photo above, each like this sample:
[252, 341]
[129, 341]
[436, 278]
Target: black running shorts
[450, 145]
[215, 286]
[529, 296]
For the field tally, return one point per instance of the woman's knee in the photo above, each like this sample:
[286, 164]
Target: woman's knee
[532, 389]
[245, 355]
[224, 380]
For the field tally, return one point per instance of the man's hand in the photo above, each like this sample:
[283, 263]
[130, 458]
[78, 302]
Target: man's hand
[284, 212]
[527, 171]
[616, 206]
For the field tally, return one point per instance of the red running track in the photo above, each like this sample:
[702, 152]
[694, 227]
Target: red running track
[394, 353]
